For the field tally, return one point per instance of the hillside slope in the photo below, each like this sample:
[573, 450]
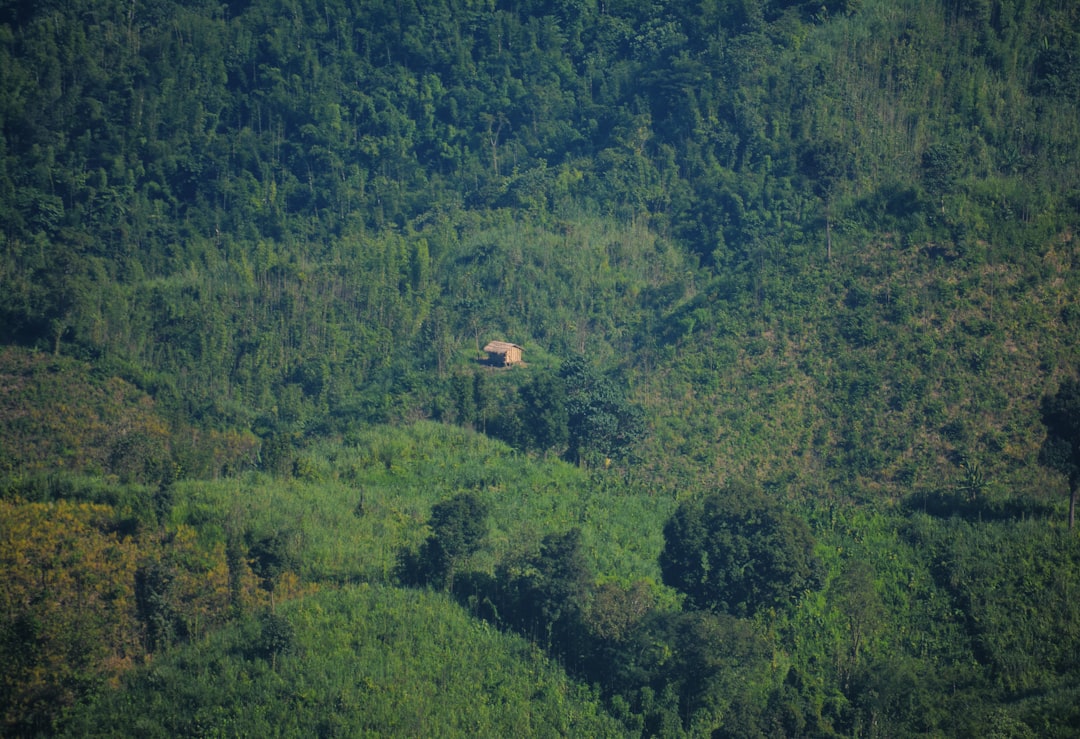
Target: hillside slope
[809, 268]
[848, 229]
[357, 662]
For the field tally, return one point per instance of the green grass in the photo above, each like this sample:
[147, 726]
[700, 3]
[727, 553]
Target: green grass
[364, 661]
[359, 503]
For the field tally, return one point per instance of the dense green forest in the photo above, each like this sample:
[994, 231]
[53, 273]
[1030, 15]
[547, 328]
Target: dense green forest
[794, 450]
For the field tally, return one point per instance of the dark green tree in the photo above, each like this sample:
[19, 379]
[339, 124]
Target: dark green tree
[940, 169]
[555, 593]
[482, 400]
[458, 528]
[827, 164]
[462, 389]
[276, 636]
[1061, 449]
[270, 556]
[276, 453]
[545, 416]
[737, 552]
[714, 665]
[236, 561]
[601, 422]
[155, 606]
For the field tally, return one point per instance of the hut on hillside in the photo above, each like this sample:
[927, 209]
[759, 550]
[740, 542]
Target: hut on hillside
[502, 353]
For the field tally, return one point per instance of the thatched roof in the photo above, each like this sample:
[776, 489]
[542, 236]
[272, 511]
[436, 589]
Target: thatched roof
[500, 347]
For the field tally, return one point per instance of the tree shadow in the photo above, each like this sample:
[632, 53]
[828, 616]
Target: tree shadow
[951, 504]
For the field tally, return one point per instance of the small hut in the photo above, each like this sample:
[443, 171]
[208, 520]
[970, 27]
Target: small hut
[503, 353]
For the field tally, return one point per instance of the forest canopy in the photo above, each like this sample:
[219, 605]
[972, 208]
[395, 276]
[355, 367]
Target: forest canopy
[791, 450]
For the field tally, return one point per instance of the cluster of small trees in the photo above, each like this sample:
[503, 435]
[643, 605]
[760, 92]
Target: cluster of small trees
[582, 411]
[731, 556]
[576, 412]
[740, 561]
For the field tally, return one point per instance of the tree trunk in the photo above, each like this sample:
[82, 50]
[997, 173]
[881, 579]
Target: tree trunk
[828, 238]
[1072, 505]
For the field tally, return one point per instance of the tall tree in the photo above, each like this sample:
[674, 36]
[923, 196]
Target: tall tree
[601, 422]
[545, 416]
[553, 594]
[271, 556]
[458, 527]
[1061, 450]
[827, 163]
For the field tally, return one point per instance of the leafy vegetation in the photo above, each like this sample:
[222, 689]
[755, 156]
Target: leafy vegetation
[364, 660]
[458, 528]
[1061, 450]
[735, 552]
[789, 451]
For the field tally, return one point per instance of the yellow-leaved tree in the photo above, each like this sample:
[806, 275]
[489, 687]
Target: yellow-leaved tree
[67, 616]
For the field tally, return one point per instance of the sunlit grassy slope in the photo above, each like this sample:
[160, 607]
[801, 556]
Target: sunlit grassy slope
[363, 661]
